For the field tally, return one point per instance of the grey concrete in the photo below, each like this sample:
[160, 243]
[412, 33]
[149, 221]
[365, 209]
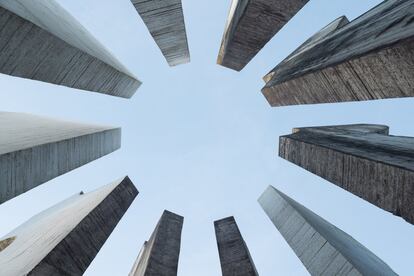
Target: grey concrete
[322, 248]
[64, 239]
[40, 40]
[165, 22]
[324, 32]
[370, 58]
[234, 255]
[34, 149]
[362, 159]
[250, 25]
[159, 256]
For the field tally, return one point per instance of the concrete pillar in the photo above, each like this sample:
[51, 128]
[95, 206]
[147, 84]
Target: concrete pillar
[42, 41]
[370, 58]
[35, 149]
[250, 25]
[64, 239]
[362, 159]
[159, 255]
[322, 248]
[234, 255]
[165, 22]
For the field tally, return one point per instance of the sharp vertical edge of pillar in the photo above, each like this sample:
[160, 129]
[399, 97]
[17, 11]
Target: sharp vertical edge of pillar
[234, 255]
[370, 58]
[165, 21]
[49, 245]
[362, 159]
[321, 247]
[35, 149]
[250, 25]
[40, 40]
[160, 254]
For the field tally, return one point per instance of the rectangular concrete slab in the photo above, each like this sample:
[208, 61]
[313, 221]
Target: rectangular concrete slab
[160, 254]
[234, 255]
[165, 22]
[250, 25]
[35, 149]
[370, 58]
[40, 40]
[322, 248]
[64, 239]
[362, 159]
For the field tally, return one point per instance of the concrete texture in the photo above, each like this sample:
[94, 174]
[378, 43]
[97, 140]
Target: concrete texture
[40, 40]
[234, 255]
[34, 149]
[47, 244]
[250, 25]
[370, 58]
[165, 22]
[362, 159]
[159, 256]
[322, 248]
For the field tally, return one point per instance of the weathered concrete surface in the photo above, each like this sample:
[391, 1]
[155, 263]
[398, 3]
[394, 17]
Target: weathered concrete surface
[34, 149]
[362, 159]
[165, 22]
[322, 248]
[325, 31]
[370, 58]
[234, 255]
[64, 239]
[159, 256]
[40, 40]
[250, 25]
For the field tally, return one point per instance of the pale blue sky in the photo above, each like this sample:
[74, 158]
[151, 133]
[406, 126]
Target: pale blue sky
[201, 140]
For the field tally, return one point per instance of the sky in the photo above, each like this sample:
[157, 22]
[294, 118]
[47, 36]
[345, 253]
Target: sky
[200, 140]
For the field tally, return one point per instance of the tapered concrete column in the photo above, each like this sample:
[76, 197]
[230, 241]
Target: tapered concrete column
[322, 248]
[234, 255]
[42, 41]
[64, 239]
[250, 25]
[35, 149]
[165, 22]
[362, 159]
[159, 256]
[370, 58]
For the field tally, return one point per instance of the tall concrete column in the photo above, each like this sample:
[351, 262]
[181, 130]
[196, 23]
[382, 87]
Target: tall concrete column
[64, 239]
[42, 41]
[165, 22]
[322, 248]
[362, 159]
[250, 25]
[234, 255]
[35, 149]
[160, 254]
[370, 58]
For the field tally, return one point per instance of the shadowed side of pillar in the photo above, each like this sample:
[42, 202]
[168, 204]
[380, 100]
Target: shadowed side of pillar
[322, 248]
[159, 256]
[234, 255]
[250, 25]
[362, 159]
[370, 58]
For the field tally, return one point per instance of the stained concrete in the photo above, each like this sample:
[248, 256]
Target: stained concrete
[160, 254]
[362, 159]
[64, 239]
[322, 248]
[234, 255]
[40, 40]
[250, 25]
[370, 58]
[35, 149]
[165, 22]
